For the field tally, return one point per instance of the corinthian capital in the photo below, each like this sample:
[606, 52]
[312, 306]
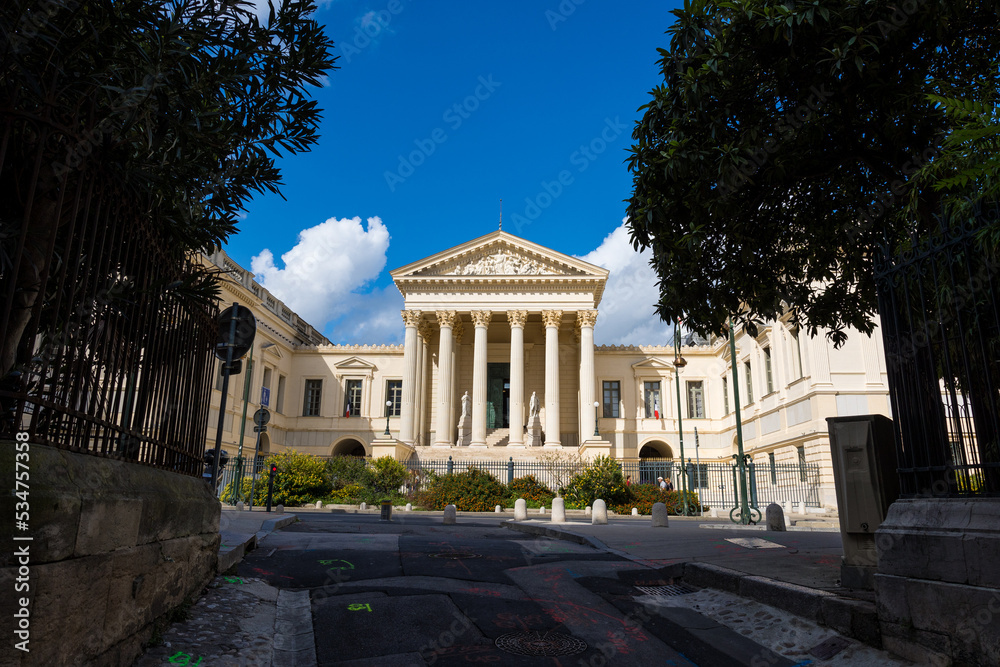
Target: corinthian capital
[481, 318]
[586, 318]
[411, 317]
[458, 330]
[446, 318]
[552, 318]
[517, 317]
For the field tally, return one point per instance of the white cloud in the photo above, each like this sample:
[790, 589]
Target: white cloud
[626, 314]
[326, 279]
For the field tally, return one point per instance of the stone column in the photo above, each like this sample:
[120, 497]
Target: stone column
[586, 320]
[442, 424]
[412, 319]
[458, 331]
[551, 319]
[481, 318]
[423, 373]
[516, 319]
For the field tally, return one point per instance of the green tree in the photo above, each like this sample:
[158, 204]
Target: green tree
[180, 105]
[780, 149]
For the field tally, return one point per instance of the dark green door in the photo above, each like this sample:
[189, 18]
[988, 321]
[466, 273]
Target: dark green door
[497, 395]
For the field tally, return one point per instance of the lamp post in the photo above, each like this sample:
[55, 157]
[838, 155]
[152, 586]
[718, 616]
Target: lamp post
[247, 379]
[388, 404]
[679, 363]
[597, 436]
[697, 463]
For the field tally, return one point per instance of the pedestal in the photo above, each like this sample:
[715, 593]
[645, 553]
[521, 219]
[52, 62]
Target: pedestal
[464, 431]
[591, 449]
[397, 449]
[533, 435]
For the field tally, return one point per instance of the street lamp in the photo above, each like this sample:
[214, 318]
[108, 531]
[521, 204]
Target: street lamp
[388, 404]
[680, 363]
[597, 436]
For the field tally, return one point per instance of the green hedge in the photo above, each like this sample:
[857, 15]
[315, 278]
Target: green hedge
[471, 491]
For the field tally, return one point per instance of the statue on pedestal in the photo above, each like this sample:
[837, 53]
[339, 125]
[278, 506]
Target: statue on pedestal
[533, 437]
[465, 421]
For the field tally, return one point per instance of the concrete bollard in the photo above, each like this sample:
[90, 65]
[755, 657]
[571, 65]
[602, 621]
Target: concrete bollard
[600, 516]
[586, 510]
[787, 505]
[802, 507]
[319, 504]
[775, 517]
[409, 507]
[635, 511]
[541, 510]
[498, 509]
[363, 506]
[280, 509]
[239, 505]
[788, 521]
[715, 512]
[660, 518]
[558, 510]
[450, 513]
[520, 509]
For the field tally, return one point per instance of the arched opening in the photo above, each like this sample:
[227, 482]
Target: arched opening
[350, 447]
[651, 463]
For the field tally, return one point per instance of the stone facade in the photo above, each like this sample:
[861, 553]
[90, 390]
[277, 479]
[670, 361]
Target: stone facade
[502, 318]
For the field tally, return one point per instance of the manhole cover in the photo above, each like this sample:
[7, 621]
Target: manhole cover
[670, 589]
[455, 555]
[540, 643]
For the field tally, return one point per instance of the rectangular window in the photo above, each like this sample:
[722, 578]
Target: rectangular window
[768, 373]
[267, 378]
[279, 402]
[353, 398]
[802, 463]
[313, 397]
[696, 399]
[612, 398]
[654, 409]
[725, 395]
[748, 371]
[798, 353]
[774, 472]
[394, 394]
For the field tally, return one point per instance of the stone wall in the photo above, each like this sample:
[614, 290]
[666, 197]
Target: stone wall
[938, 583]
[115, 546]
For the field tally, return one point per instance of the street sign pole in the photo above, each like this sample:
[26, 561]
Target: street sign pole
[225, 392]
[238, 484]
[260, 418]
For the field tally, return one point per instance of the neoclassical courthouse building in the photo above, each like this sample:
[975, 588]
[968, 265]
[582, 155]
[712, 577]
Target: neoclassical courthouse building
[499, 361]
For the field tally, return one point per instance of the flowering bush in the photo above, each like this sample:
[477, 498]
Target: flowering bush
[386, 475]
[602, 478]
[300, 479]
[534, 492]
[643, 496]
[344, 470]
[471, 491]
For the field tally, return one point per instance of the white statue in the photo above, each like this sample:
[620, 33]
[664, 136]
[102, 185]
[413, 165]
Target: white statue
[466, 402]
[533, 406]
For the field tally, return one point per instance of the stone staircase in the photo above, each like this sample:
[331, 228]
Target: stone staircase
[497, 437]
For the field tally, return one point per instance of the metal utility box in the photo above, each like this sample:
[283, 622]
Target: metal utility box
[863, 449]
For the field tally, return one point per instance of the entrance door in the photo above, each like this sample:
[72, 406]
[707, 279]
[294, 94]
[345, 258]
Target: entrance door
[498, 395]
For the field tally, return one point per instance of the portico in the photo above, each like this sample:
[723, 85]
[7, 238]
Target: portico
[532, 313]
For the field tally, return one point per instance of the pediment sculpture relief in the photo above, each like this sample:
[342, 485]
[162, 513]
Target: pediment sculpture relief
[501, 264]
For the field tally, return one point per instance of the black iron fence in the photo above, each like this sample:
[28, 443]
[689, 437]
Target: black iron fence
[101, 352]
[939, 302]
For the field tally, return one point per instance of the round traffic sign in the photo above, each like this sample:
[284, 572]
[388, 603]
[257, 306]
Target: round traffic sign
[239, 337]
[261, 417]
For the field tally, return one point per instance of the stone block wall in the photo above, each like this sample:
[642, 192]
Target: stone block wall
[115, 546]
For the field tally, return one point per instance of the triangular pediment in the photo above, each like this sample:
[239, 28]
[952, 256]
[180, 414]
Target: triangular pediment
[499, 254]
[652, 365]
[355, 363]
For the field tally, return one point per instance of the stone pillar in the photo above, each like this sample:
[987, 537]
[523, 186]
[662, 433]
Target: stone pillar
[481, 318]
[442, 424]
[551, 319]
[458, 331]
[586, 319]
[412, 320]
[516, 319]
[423, 373]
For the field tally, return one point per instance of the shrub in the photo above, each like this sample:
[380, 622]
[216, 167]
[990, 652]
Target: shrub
[259, 493]
[344, 470]
[534, 492]
[643, 496]
[346, 494]
[386, 475]
[470, 491]
[300, 479]
[603, 479]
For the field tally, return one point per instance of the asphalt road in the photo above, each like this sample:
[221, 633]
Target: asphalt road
[416, 592]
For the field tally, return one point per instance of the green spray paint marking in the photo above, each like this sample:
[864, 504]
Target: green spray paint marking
[346, 566]
[183, 659]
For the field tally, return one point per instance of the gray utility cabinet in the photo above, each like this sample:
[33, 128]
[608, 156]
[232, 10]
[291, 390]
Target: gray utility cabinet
[864, 469]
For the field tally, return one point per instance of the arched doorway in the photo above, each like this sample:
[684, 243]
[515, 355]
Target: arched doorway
[350, 447]
[651, 463]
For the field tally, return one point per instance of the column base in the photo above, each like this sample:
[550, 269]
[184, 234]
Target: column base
[552, 445]
[442, 445]
[477, 445]
[515, 445]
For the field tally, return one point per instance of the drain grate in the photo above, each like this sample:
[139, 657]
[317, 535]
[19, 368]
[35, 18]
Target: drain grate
[540, 643]
[669, 590]
[454, 555]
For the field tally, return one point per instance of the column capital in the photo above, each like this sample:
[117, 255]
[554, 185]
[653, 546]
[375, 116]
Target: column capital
[446, 318]
[552, 318]
[481, 318]
[425, 330]
[517, 317]
[411, 317]
[457, 330]
[586, 318]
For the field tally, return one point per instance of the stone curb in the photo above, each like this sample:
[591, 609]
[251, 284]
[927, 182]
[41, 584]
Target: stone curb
[790, 529]
[232, 555]
[294, 644]
[852, 618]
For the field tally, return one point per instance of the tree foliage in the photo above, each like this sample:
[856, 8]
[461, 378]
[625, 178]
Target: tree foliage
[781, 145]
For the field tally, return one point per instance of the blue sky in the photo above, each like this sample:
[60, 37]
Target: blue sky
[437, 112]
